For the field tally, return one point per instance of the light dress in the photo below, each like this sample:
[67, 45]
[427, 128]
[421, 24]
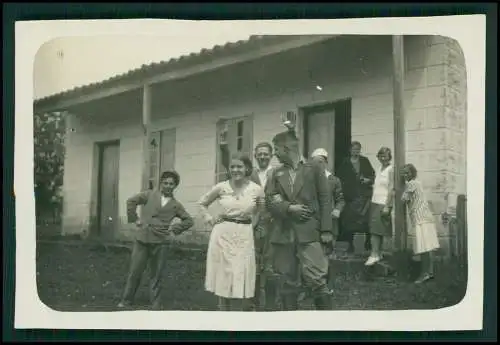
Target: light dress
[381, 190]
[421, 218]
[231, 264]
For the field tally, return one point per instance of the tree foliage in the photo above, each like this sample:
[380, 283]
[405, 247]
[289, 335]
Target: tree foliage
[49, 133]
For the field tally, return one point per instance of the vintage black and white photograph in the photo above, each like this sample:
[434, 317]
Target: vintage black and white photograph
[251, 172]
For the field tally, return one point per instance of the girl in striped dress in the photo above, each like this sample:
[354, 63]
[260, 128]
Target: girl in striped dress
[421, 218]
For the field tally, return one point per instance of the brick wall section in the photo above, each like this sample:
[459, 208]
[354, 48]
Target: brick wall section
[359, 69]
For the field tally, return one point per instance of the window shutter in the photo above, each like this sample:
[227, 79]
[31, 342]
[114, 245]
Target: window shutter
[248, 136]
[167, 155]
[220, 170]
[232, 135]
[154, 160]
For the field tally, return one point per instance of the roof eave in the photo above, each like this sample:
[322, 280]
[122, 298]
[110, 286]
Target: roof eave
[113, 87]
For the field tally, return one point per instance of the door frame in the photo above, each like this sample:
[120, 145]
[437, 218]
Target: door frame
[303, 127]
[97, 167]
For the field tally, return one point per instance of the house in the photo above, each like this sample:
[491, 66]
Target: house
[340, 86]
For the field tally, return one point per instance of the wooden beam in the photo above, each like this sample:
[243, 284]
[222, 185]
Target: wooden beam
[69, 101]
[146, 124]
[399, 140]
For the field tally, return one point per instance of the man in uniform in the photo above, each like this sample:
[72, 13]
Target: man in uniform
[297, 195]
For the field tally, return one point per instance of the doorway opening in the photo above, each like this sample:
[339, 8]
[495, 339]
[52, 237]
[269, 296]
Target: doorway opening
[107, 189]
[328, 126]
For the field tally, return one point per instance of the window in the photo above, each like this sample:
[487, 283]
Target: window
[161, 155]
[239, 138]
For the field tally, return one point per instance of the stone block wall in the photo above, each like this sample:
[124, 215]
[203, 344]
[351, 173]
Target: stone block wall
[436, 128]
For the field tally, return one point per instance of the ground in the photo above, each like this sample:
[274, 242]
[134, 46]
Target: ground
[91, 278]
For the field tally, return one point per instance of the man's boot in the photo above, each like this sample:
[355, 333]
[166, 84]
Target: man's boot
[271, 290]
[290, 302]
[323, 302]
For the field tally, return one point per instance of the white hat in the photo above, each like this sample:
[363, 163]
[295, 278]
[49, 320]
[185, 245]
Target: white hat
[319, 152]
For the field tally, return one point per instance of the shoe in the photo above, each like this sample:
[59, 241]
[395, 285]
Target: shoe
[372, 260]
[290, 302]
[424, 278]
[156, 307]
[333, 256]
[350, 249]
[323, 302]
[124, 304]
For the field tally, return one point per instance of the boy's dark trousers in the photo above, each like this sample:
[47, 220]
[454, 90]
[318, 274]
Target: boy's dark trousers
[142, 254]
[264, 287]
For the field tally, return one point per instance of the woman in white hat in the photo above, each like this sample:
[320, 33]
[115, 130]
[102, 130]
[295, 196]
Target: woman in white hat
[336, 193]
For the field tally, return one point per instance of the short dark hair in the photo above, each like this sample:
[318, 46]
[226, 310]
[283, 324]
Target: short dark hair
[287, 139]
[264, 144]
[384, 150]
[172, 174]
[356, 143]
[411, 169]
[247, 162]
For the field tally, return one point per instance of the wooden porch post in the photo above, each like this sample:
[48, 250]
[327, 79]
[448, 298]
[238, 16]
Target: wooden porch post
[399, 150]
[146, 124]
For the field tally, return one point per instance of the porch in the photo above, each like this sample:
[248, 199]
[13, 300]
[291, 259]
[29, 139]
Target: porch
[180, 109]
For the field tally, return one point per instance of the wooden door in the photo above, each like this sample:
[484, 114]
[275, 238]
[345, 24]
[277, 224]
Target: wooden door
[108, 189]
[320, 133]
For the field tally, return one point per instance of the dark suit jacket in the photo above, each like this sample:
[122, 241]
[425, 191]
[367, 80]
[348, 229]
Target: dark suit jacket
[255, 177]
[310, 189]
[337, 194]
[264, 217]
[156, 219]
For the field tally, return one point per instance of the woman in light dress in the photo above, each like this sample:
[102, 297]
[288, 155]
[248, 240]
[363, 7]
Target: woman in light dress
[421, 218]
[381, 205]
[231, 264]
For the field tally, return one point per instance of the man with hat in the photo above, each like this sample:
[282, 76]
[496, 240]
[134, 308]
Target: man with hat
[160, 210]
[337, 196]
[297, 195]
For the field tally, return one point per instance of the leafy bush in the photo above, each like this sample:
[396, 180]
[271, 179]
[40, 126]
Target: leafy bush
[49, 133]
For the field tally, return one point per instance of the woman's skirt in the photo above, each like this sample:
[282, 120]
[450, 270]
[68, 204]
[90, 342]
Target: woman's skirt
[379, 224]
[425, 239]
[354, 217]
[231, 267]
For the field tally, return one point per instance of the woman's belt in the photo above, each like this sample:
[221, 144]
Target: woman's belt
[236, 220]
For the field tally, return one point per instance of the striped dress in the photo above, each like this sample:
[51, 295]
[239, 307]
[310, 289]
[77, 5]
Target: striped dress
[421, 218]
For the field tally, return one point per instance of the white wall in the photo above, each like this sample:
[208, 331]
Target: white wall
[359, 69]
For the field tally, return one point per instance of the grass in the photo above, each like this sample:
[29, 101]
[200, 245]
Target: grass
[91, 278]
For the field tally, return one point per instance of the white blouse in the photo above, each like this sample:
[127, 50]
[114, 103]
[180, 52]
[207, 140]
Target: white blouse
[382, 185]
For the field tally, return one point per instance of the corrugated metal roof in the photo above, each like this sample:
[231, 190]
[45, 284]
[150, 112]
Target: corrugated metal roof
[145, 71]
